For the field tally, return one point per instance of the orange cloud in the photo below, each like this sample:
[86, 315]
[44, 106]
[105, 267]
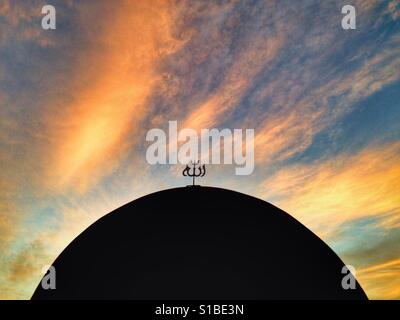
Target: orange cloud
[348, 187]
[381, 281]
[116, 75]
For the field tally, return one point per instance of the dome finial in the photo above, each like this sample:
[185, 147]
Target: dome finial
[190, 170]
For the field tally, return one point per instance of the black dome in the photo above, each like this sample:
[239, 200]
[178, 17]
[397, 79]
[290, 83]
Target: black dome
[198, 243]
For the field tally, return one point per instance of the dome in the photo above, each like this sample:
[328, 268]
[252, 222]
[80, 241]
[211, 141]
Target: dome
[198, 243]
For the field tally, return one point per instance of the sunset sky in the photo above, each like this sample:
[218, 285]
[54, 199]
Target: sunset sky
[76, 103]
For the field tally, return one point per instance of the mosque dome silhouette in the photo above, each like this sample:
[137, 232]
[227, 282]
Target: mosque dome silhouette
[198, 243]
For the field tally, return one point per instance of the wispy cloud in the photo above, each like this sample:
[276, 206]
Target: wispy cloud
[325, 194]
[382, 281]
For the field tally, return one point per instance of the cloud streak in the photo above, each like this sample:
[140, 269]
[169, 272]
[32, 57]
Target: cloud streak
[122, 73]
[326, 194]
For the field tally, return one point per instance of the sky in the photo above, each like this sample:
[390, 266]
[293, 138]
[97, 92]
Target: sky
[324, 103]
